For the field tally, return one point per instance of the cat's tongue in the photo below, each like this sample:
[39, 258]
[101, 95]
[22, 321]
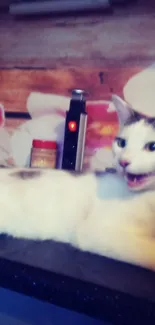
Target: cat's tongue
[135, 180]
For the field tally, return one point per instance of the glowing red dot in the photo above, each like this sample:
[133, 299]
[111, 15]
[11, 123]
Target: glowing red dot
[72, 126]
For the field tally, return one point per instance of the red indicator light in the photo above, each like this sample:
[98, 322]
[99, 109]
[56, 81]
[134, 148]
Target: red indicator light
[72, 126]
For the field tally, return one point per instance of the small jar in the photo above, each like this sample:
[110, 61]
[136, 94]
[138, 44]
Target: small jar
[43, 154]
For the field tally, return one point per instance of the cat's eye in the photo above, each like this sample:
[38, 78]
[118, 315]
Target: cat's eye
[150, 146]
[120, 142]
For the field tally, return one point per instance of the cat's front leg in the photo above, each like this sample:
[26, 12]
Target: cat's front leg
[122, 230]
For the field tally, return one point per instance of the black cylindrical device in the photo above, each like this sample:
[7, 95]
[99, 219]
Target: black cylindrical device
[75, 132]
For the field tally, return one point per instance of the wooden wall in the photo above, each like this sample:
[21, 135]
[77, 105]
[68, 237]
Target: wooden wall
[55, 54]
[17, 84]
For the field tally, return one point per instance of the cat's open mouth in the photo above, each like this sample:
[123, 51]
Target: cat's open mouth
[136, 180]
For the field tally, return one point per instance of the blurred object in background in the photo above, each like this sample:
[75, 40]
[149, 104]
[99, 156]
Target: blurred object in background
[33, 7]
[4, 5]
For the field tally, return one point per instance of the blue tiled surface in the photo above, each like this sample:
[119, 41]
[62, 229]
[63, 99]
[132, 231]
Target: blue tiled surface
[17, 309]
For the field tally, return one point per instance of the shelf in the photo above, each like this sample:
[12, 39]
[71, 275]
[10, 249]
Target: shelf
[125, 38]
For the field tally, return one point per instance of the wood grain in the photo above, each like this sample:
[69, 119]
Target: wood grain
[16, 85]
[125, 38]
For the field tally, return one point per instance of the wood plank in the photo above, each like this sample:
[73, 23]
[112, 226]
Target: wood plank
[16, 85]
[125, 38]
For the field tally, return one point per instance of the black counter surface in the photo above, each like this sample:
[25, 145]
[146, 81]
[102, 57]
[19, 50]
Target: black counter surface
[100, 287]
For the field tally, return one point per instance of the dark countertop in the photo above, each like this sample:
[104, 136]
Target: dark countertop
[87, 283]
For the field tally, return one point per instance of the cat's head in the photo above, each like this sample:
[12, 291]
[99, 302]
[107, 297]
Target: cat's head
[134, 147]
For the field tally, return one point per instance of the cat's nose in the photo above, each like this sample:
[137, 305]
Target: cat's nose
[124, 163]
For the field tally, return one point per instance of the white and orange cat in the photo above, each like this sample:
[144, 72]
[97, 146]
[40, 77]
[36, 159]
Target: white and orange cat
[112, 215]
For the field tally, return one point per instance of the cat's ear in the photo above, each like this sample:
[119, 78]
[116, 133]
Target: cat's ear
[124, 111]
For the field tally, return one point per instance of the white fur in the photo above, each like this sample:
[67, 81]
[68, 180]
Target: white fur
[48, 206]
[67, 208]
[101, 159]
[137, 135]
[121, 229]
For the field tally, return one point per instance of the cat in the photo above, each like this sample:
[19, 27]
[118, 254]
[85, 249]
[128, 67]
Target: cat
[87, 210]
